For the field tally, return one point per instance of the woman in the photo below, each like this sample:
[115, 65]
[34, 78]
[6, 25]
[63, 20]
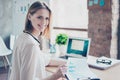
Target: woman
[28, 60]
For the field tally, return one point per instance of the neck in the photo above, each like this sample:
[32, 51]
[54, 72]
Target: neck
[36, 34]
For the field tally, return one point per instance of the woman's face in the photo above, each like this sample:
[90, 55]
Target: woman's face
[39, 20]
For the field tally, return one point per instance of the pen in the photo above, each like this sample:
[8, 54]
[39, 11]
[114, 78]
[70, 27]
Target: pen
[95, 79]
[66, 77]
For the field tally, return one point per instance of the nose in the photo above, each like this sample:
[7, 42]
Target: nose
[43, 22]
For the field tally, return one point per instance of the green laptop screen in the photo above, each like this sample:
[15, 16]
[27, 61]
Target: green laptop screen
[78, 46]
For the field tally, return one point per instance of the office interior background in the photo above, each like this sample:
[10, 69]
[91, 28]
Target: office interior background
[103, 26]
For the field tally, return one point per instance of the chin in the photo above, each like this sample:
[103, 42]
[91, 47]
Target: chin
[42, 30]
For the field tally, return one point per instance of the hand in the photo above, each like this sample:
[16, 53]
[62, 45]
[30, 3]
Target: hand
[61, 71]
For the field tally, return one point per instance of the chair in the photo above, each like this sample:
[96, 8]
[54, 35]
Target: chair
[12, 40]
[4, 52]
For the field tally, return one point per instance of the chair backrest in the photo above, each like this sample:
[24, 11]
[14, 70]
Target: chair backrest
[12, 40]
[2, 45]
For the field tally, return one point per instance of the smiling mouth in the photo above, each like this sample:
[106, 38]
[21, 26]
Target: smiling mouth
[40, 27]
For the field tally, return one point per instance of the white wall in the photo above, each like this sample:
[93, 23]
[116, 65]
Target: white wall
[65, 14]
[71, 33]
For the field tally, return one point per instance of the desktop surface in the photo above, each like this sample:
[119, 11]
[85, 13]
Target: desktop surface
[112, 73]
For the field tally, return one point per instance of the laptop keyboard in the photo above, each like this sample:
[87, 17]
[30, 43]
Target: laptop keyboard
[65, 57]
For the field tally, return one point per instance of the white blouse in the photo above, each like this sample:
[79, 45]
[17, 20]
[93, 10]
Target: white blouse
[28, 62]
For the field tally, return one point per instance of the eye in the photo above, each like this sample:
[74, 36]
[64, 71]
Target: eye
[39, 17]
[47, 18]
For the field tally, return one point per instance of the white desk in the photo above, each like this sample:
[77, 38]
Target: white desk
[112, 73]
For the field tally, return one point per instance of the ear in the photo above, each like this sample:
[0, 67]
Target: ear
[29, 16]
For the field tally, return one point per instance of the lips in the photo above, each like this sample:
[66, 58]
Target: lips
[40, 27]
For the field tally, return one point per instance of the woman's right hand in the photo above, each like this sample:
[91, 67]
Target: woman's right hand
[62, 70]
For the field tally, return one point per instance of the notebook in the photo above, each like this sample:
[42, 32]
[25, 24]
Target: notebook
[77, 47]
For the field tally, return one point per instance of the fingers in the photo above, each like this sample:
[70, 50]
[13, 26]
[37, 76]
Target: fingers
[63, 65]
[63, 69]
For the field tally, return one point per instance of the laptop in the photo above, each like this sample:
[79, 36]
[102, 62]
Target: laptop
[77, 47]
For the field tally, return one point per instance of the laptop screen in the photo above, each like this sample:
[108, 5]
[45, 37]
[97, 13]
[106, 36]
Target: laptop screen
[79, 46]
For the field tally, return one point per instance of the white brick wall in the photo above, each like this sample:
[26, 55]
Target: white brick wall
[114, 22]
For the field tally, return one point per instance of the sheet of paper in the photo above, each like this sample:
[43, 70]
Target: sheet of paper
[92, 62]
[78, 69]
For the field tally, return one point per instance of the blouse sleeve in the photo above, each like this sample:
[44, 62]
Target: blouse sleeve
[45, 50]
[47, 58]
[28, 63]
